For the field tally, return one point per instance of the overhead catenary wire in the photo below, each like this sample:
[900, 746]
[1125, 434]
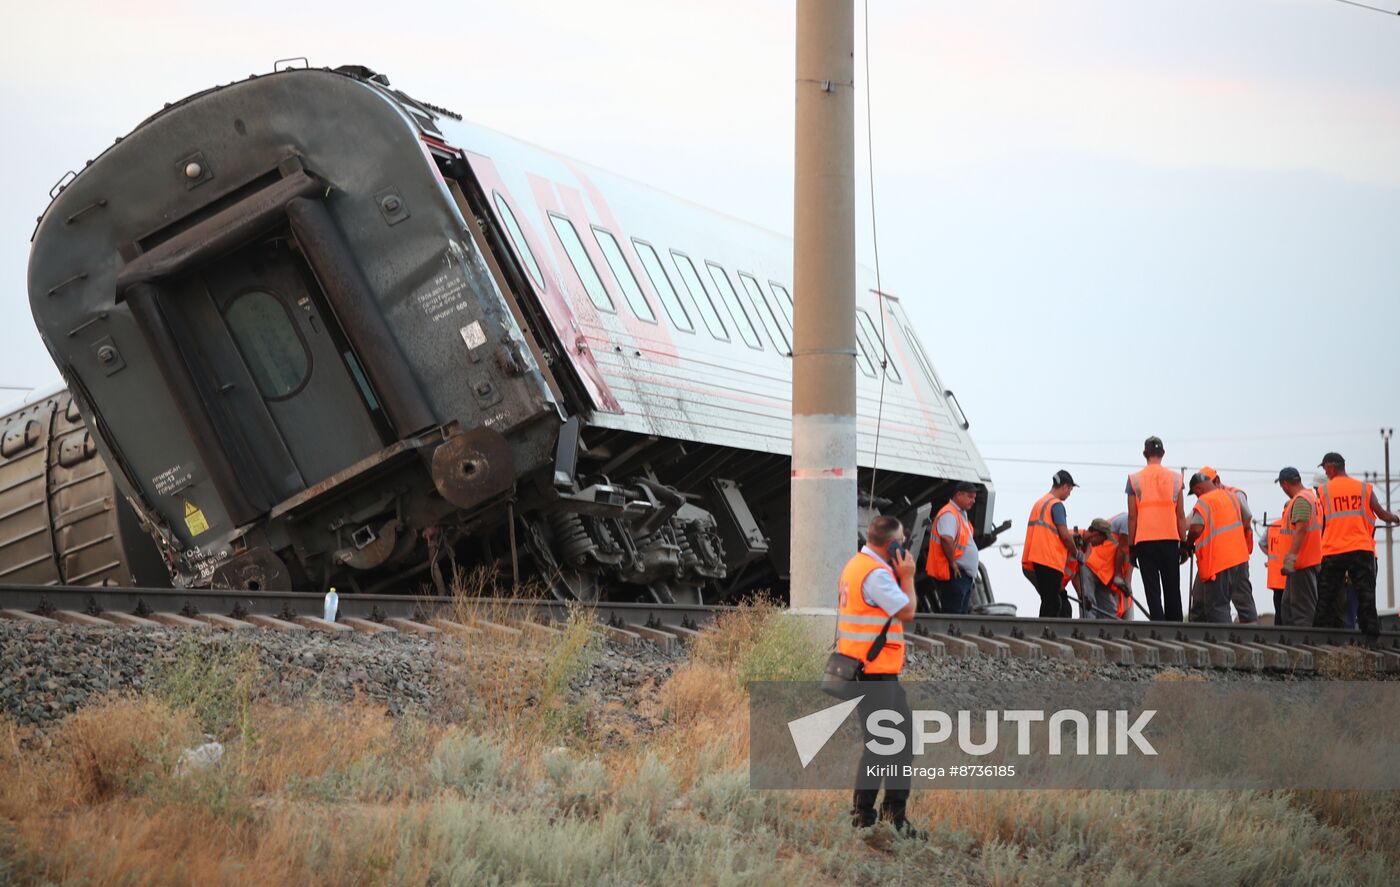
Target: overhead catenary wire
[1228, 438]
[1368, 6]
[1080, 463]
[875, 243]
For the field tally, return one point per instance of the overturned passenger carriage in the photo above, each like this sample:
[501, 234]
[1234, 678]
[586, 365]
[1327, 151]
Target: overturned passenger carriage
[323, 332]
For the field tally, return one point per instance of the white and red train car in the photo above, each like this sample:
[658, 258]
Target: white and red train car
[323, 330]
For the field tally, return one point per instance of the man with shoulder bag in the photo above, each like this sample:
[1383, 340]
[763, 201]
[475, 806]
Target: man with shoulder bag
[876, 599]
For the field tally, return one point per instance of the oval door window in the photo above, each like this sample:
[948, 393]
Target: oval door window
[270, 344]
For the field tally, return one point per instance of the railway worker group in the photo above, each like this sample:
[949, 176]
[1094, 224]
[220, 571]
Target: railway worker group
[1321, 547]
[1321, 552]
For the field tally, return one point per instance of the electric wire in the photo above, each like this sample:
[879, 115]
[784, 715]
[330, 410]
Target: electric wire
[1366, 6]
[1085, 464]
[875, 241]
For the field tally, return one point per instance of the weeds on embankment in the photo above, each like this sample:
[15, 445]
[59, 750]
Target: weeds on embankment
[511, 784]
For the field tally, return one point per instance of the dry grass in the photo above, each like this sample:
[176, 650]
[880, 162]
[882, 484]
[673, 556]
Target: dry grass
[521, 790]
[1347, 664]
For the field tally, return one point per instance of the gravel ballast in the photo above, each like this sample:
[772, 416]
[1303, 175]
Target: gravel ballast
[50, 671]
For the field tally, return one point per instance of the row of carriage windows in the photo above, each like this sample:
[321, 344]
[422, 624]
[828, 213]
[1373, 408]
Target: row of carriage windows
[769, 309]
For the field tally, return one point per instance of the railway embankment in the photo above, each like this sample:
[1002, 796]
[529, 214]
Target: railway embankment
[54, 670]
[565, 755]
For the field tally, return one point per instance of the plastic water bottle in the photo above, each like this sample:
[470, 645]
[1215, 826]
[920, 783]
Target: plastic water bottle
[332, 605]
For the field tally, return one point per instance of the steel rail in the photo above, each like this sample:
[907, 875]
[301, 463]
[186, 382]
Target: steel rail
[1247, 646]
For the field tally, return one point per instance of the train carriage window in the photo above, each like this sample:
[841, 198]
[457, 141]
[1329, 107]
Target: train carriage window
[921, 358]
[784, 301]
[583, 265]
[266, 336]
[700, 295]
[517, 238]
[762, 303]
[670, 299]
[863, 356]
[876, 345]
[631, 290]
[736, 307]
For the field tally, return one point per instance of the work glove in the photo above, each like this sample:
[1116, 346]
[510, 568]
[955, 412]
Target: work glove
[1120, 582]
[1290, 564]
[1187, 549]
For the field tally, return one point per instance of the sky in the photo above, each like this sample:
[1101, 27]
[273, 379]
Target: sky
[1106, 219]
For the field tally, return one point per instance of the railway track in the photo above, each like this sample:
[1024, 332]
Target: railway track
[1143, 644]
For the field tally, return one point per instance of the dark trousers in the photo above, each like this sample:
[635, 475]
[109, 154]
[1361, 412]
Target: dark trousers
[1280, 612]
[1300, 597]
[1159, 561]
[888, 696]
[1230, 586]
[1358, 567]
[1196, 601]
[1049, 584]
[954, 595]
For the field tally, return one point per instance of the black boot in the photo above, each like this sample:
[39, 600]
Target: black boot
[893, 813]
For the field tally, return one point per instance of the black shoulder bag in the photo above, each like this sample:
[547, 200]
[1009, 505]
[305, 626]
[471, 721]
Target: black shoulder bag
[842, 670]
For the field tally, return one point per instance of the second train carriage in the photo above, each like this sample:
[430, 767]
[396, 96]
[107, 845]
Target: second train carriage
[327, 331]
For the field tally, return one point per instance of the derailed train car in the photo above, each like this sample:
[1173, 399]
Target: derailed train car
[324, 331]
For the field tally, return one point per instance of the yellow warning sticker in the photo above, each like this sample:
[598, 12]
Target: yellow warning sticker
[194, 519]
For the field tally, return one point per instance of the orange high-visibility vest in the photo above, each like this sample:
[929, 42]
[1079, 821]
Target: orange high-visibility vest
[1221, 544]
[1276, 547]
[1310, 555]
[1157, 491]
[858, 623]
[937, 565]
[1348, 523]
[1103, 560]
[1043, 545]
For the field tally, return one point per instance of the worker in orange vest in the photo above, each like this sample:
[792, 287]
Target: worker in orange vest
[875, 600]
[1271, 545]
[1157, 531]
[1300, 560]
[1233, 491]
[1217, 531]
[1049, 543]
[952, 555]
[1196, 611]
[1349, 510]
[1104, 587]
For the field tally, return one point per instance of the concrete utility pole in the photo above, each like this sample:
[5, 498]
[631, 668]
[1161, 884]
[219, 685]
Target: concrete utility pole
[1389, 531]
[824, 287]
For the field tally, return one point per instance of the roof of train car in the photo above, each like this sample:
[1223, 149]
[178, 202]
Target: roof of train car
[679, 383]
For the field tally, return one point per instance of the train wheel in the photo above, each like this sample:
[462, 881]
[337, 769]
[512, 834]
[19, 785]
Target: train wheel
[575, 585]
